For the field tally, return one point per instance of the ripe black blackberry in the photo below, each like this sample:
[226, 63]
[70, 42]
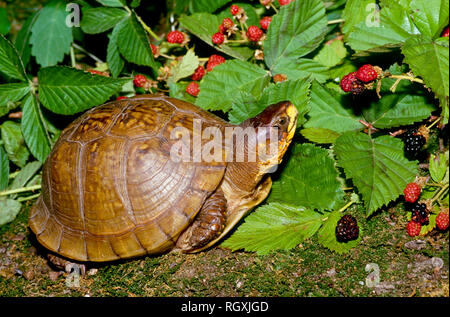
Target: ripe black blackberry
[419, 213]
[413, 143]
[347, 229]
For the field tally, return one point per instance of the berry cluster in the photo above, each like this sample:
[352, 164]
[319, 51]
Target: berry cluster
[228, 28]
[362, 79]
[347, 229]
[413, 143]
[193, 88]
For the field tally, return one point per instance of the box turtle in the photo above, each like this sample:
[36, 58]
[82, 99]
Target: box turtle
[111, 189]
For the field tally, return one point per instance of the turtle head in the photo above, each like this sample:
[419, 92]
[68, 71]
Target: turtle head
[275, 128]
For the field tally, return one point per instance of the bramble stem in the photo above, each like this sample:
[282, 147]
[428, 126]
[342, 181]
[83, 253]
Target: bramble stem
[336, 21]
[95, 58]
[166, 56]
[410, 78]
[346, 206]
[28, 197]
[20, 190]
[147, 28]
[434, 122]
[439, 194]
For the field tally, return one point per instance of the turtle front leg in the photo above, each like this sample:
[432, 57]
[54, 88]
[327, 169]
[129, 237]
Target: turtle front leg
[208, 224]
[66, 265]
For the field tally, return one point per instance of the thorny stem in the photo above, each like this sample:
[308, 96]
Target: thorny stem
[19, 190]
[95, 58]
[434, 122]
[28, 197]
[147, 28]
[72, 57]
[336, 21]
[166, 56]
[346, 206]
[410, 78]
[274, 8]
[439, 194]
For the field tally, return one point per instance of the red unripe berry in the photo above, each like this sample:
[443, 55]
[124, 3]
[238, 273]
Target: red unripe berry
[284, 2]
[213, 61]
[412, 192]
[139, 80]
[264, 22]
[218, 38]
[193, 89]
[121, 98]
[366, 73]
[199, 73]
[442, 221]
[413, 228]
[227, 23]
[347, 82]
[175, 37]
[445, 32]
[234, 9]
[278, 78]
[254, 33]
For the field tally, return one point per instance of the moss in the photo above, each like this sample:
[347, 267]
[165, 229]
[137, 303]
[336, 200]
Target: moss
[307, 270]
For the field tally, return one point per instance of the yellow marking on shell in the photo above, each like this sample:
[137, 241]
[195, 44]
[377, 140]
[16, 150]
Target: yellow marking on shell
[94, 147]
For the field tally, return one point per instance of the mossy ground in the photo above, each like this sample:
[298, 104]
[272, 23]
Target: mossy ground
[307, 270]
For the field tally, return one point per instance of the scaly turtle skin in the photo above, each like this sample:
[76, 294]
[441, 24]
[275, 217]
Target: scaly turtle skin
[110, 189]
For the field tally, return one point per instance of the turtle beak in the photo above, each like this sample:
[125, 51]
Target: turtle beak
[292, 113]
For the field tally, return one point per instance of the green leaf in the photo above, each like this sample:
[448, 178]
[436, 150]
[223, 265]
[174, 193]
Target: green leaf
[25, 174]
[303, 68]
[65, 90]
[8, 210]
[377, 167]
[34, 130]
[50, 37]
[330, 111]
[327, 235]
[134, 44]
[185, 67]
[295, 31]
[10, 63]
[205, 30]
[320, 135]
[247, 106]
[393, 28]
[111, 3]
[22, 42]
[398, 109]
[332, 54]
[430, 60]
[438, 167]
[98, 20]
[4, 169]
[5, 25]
[11, 93]
[309, 178]
[218, 87]
[207, 5]
[274, 226]
[357, 11]
[113, 58]
[244, 106]
[14, 143]
[430, 16]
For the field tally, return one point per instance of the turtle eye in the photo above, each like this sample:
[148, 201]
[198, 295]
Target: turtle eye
[281, 123]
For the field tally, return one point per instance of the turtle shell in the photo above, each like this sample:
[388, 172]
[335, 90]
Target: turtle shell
[109, 187]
